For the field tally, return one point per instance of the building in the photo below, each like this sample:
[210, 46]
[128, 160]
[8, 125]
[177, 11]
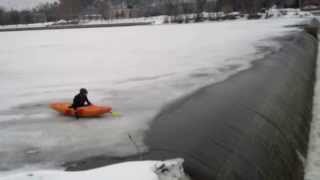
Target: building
[120, 10]
[311, 4]
[90, 13]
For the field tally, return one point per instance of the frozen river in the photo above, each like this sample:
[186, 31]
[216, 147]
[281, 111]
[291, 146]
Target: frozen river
[137, 70]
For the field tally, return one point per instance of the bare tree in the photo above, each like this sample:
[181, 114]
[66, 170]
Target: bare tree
[200, 4]
[69, 9]
[2, 16]
[105, 8]
[50, 10]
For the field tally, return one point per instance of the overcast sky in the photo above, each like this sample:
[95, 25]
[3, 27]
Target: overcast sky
[22, 4]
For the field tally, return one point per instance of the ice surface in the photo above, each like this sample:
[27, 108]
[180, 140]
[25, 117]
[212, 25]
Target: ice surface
[137, 70]
[140, 170]
[313, 160]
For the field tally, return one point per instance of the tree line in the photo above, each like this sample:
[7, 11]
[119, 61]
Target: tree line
[43, 13]
[108, 9]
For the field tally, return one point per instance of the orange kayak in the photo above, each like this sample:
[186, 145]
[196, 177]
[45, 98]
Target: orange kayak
[86, 111]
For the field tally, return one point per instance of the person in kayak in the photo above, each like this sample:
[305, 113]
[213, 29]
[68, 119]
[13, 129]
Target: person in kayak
[80, 100]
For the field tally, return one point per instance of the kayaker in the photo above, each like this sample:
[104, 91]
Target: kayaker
[80, 100]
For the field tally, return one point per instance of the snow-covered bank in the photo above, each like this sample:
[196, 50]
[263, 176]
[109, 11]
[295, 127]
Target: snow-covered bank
[313, 161]
[162, 19]
[17, 26]
[62, 24]
[153, 20]
[137, 70]
[143, 170]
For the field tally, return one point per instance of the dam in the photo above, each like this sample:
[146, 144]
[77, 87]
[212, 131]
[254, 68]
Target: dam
[253, 126]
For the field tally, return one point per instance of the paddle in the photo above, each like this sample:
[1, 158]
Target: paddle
[115, 114]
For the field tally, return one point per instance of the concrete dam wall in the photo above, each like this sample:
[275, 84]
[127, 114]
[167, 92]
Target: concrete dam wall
[253, 126]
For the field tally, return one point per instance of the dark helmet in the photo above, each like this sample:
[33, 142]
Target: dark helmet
[83, 91]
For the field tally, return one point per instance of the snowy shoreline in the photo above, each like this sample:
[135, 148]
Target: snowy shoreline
[139, 170]
[81, 26]
[272, 13]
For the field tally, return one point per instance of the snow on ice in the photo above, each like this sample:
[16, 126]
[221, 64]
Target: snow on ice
[140, 170]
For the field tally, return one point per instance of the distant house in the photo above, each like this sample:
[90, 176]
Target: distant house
[120, 10]
[311, 4]
[90, 13]
[39, 17]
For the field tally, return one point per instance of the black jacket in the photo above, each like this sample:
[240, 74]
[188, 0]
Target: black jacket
[80, 100]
